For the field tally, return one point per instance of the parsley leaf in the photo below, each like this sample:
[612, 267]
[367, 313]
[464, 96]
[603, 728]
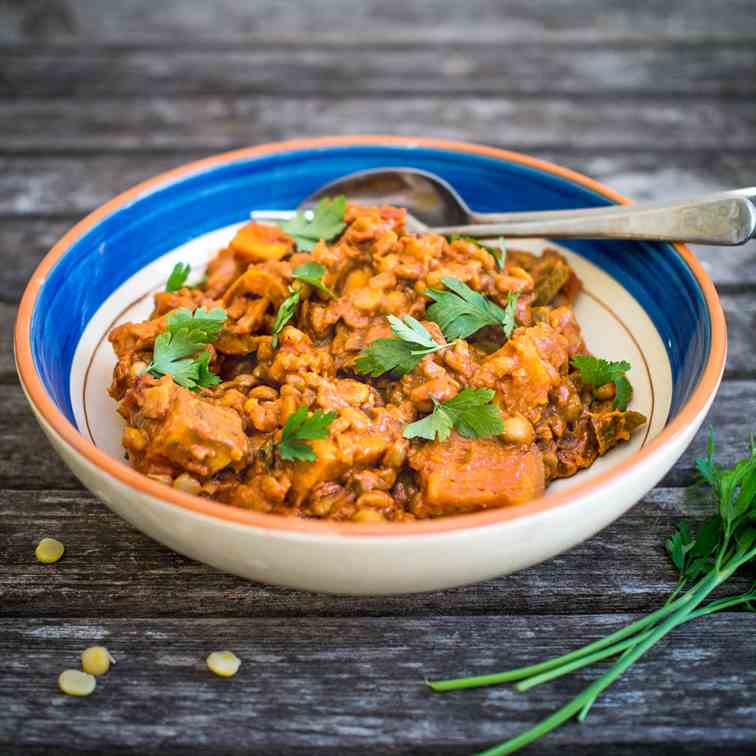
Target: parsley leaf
[327, 223]
[300, 428]
[498, 253]
[186, 334]
[470, 412]
[461, 311]
[178, 276]
[312, 273]
[401, 355]
[597, 372]
[285, 313]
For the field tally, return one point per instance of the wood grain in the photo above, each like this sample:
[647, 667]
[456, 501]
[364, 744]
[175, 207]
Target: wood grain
[70, 187]
[348, 684]
[521, 69]
[596, 128]
[427, 22]
[623, 568]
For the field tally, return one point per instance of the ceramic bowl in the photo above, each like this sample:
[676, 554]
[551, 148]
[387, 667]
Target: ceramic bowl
[649, 303]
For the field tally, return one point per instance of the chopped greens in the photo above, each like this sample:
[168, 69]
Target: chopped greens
[178, 276]
[327, 223]
[300, 428]
[461, 311]
[470, 412]
[285, 313]
[176, 348]
[597, 372]
[400, 355]
[312, 273]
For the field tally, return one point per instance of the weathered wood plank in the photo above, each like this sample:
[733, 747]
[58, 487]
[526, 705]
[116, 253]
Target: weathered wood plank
[521, 69]
[351, 685]
[624, 568]
[430, 21]
[177, 124]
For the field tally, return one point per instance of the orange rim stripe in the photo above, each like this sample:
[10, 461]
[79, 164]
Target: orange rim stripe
[34, 387]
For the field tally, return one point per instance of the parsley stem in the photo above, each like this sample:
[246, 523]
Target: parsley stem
[583, 661]
[696, 596]
[584, 700]
[714, 606]
[523, 672]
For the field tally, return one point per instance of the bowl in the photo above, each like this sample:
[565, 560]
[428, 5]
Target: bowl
[651, 301]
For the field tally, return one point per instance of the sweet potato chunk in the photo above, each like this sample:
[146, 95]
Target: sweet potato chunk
[464, 475]
[184, 429]
[257, 243]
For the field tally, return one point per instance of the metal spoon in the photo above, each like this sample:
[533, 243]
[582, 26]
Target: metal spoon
[726, 218]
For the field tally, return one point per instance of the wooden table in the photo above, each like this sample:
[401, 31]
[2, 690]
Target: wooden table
[657, 101]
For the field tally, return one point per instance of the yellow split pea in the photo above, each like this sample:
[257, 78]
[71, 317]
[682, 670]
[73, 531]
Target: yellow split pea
[75, 683]
[49, 550]
[223, 663]
[96, 660]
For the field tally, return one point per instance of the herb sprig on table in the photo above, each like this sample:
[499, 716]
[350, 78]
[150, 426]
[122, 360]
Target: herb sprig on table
[470, 412]
[180, 350]
[325, 223]
[724, 544]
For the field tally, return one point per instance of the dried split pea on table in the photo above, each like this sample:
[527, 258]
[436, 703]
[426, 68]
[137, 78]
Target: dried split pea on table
[223, 663]
[96, 660]
[75, 683]
[49, 550]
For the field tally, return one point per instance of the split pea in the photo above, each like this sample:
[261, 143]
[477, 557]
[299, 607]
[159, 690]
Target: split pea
[49, 550]
[96, 660]
[223, 663]
[75, 683]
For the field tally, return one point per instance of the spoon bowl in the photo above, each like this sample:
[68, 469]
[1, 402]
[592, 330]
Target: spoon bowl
[726, 218]
[429, 200]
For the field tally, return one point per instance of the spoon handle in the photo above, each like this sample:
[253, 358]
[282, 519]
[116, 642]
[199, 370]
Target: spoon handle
[721, 219]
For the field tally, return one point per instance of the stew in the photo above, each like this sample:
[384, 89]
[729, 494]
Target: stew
[280, 384]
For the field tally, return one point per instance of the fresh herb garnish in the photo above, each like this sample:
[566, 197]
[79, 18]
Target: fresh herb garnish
[470, 412]
[498, 253]
[461, 311]
[312, 273]
[300, 428]
[400, 355]
[186, 334]
[327, 223]
[724, 544]
[178, 276]
[285, 313]
[596, 372]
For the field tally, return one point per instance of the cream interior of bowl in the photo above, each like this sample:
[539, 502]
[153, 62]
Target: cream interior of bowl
[614, 326]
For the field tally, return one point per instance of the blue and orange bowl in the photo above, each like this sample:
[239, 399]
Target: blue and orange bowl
[124, 235]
